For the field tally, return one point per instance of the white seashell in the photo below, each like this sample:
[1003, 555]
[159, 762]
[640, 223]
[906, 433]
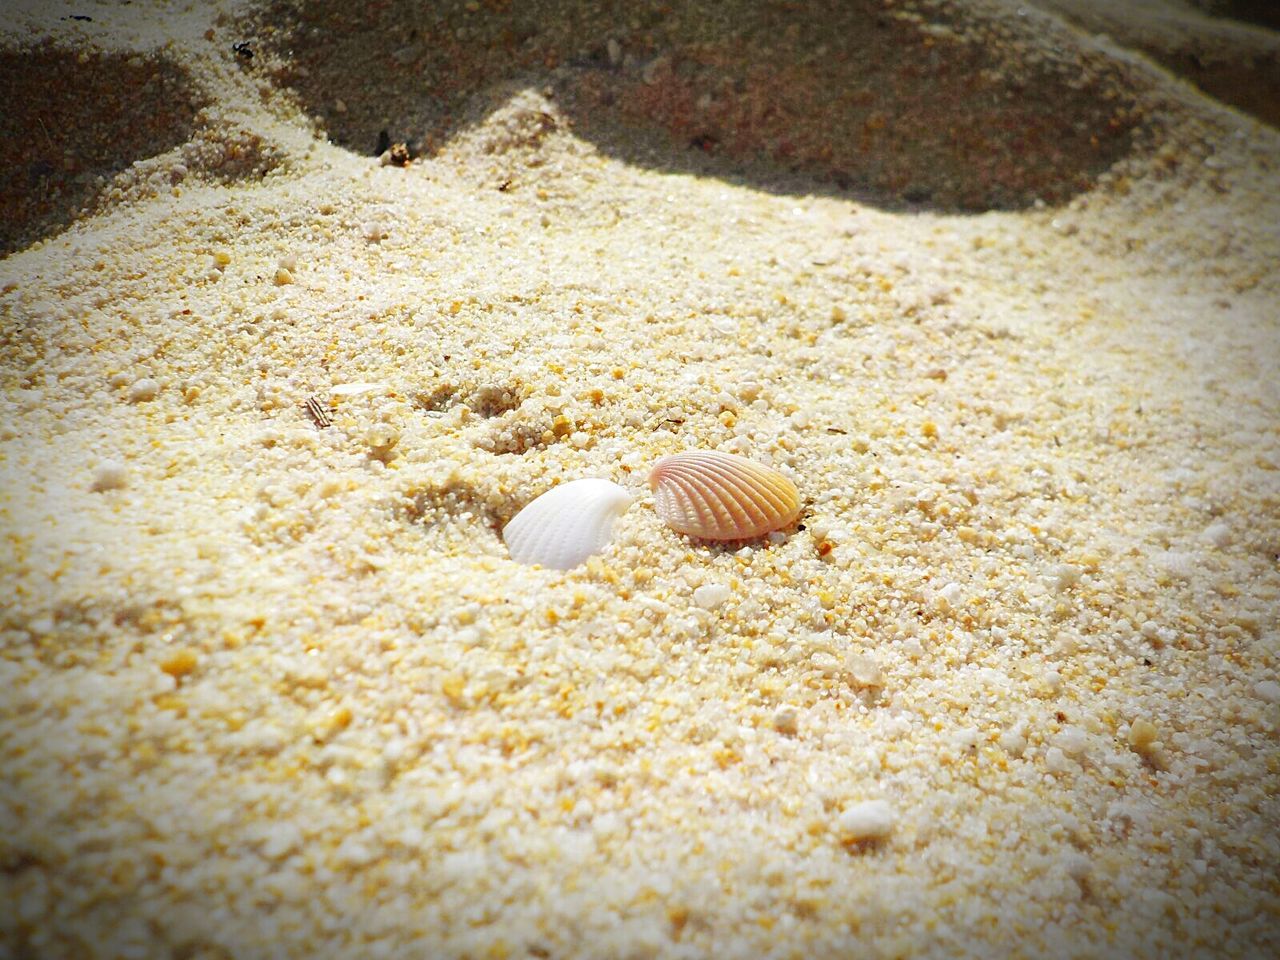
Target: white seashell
[721, 496]
[567, 524]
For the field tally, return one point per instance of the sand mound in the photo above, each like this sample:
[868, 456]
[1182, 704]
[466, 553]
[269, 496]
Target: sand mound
[948, 112]
[61, 141]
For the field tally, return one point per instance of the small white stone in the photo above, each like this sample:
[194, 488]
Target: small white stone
[865, 671]
[819, 527]
[1063, 576]
[1219, 534]
[110, 475]
[1267, 690]
[1066, 645]
[1072, 741]
[869, 820]
[1055, 761]
[144, 388]
[1013, 742]
[711, 595]
[825, 661]
[948, 597]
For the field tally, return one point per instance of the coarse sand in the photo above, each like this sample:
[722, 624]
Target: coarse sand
[302, 302]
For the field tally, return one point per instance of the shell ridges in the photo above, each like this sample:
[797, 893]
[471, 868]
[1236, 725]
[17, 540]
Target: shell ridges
[567, 524]
[721, 496]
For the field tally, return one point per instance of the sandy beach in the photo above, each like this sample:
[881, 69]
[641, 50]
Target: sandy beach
[302, 302]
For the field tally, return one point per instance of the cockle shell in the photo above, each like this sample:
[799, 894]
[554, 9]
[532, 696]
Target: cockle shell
[567, 524]
[721, 496]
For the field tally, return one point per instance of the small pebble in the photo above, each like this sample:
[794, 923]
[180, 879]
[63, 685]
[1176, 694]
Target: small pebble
[1072, 741]
[110, 475]
[1055, 761]
[180, 663]
[865, 671]
[869, 820]
[381, 437]
[1267, 690]
[144, 388]
[1219, 534]
[819, 528]
[948, 597]
[787, 721]
[711, 595]
[1142, 735]
[1013, 742]
[1063, 576]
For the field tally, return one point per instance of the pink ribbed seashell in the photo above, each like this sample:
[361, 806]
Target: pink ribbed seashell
[721, 496]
